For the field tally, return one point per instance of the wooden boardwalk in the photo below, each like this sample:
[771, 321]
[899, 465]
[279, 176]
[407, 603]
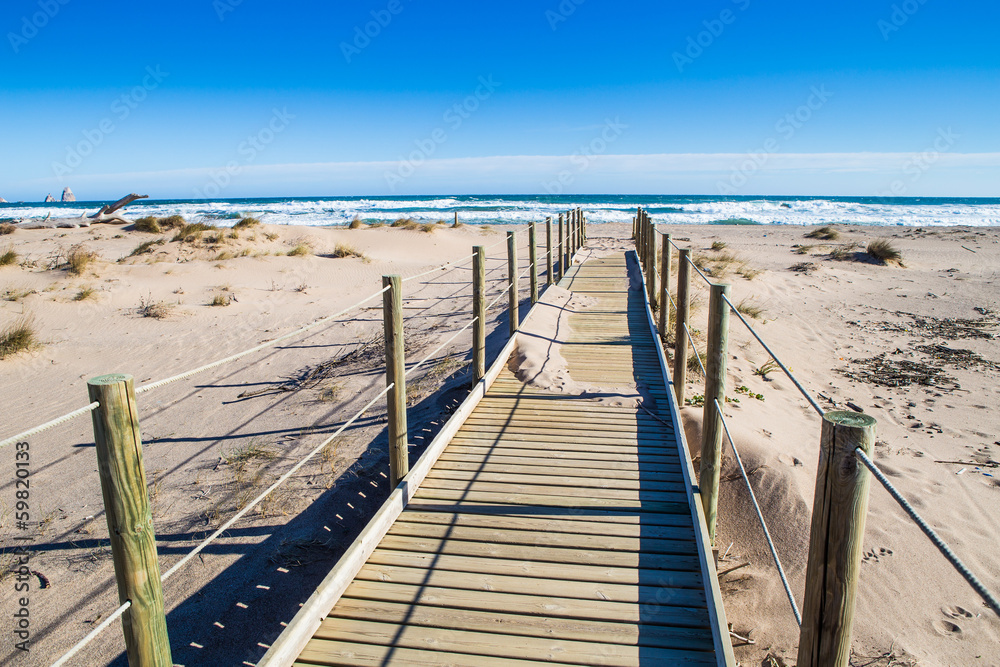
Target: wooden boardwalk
[551, 528]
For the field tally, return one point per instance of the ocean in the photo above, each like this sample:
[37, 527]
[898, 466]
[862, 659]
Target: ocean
[507, 209]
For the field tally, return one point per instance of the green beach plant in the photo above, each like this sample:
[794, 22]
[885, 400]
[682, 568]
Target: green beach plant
[883, 251]
[8, 257]
[19, 336]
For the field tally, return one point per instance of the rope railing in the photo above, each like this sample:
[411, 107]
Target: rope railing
[49, 424]
[760, 517]
[440, 347]
[697, 356]
[942, 546]
[227, 525]
[258, 348]
[643, 239]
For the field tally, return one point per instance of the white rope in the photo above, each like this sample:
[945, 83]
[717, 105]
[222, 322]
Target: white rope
[974, 581]
[93, 633]
[760, 516]
[262, 346]
[784, 368]
[703, 276]
[504, 292]
[526, 270]
[281, 480]
[440, 347]
[47, 425]
[695, 350]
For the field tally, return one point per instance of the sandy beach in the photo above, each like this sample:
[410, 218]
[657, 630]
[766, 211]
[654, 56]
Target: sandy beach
[841, 322]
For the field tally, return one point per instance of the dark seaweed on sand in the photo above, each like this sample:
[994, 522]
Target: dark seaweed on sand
[946, 328]
[885, 372]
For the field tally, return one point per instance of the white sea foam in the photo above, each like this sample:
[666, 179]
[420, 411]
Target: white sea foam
[493, 210]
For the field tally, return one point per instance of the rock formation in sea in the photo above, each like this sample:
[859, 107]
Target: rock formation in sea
[3, 201]
[49, 198]
[68, 195]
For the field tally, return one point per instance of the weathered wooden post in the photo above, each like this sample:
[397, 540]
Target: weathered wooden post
[835, 544]
[479, 313]
[562, 253]
[715, 390]
[130, 521]
[533, 259]
[456, 218]
[635, 232]
[567, 251]
[651, 263]
[548, 251]
[680, 324]
[512, 286]
[665, 287]
[395, 374]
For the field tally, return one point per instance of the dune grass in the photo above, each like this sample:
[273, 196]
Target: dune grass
[146, 247]
[750, 309]
[8, 257]
[84, 294]
[19, 336]
[826, 232]
[884, 252]
[149, 224]
[7, 228]
[191, 232]
[345, 250]
[221, 300]
[247, 222]
[79, 259]
[300, 250]
[158, 310]
[718, 245]
[356, 223]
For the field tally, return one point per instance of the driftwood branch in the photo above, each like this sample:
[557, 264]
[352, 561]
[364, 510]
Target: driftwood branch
[108, 214]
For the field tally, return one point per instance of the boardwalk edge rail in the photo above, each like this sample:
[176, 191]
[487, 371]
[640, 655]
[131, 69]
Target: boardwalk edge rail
[716, 611]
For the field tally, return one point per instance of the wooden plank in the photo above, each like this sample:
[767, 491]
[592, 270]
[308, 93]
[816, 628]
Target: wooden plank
[482, 644]
[626, 576]
[490, 448]
[515, 498]
[631, 634]
[596, 481]
[561, 491]
[620, 516]
[679, 563]
[545, 467]
[560, 607]
[326, 652]
[550, 524]
[592, 543]
[531, 585]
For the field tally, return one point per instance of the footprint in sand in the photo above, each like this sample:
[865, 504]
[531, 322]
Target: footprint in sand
[946, 628]
[956, 612]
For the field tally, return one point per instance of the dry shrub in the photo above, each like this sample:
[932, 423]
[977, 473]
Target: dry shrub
[79, 258]
[826, 232]
[19, 336]
[247, 222]
[222, 300]
[345, 250]
[84, 294]
[356, 223]
[883, 251]
[158, 310]
[7, 228]
[300, 250]
[8, 257]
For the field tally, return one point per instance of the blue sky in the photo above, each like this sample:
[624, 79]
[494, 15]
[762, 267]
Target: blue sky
[575, 96]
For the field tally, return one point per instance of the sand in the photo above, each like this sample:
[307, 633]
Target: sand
[215, 439]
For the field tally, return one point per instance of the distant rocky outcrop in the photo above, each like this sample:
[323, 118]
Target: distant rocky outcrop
[49, 198]
[68, 195]
[3, 201]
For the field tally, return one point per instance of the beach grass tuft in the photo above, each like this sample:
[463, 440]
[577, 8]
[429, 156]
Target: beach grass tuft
[7, 228]
[718, 245]
[883, 251]
[300, 250]
[356, 223]
[8, 257]
[826, 232]
[149, 224]
[750, 309]
[345, 250]
[84, 294]
[247, 222]
[429, 227]
[19, 336]
[222, 300]
[172, 222]
[189, 233]
[146, 247]
[406, 223]
[767, 367]
[79, 258]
